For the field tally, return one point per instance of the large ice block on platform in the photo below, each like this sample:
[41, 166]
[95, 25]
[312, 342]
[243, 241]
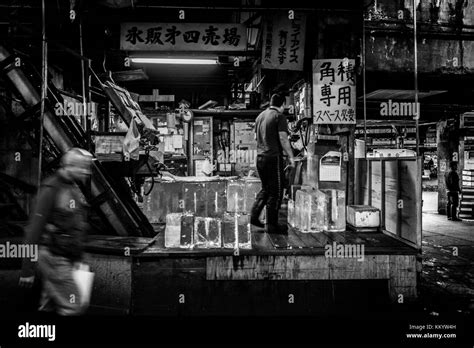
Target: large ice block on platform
[164, 198]
[195, 199]
[291, 213]
[311, 175]
[317, 211]
[235, 196]
[200, 198]
[236, 231]
[207, 232]
[300, 213]
[173, 230]
[310, 210]
[187, 231]
[336, 210]
[241, 195]
[251, 190]
[293, 190]
[216, 199]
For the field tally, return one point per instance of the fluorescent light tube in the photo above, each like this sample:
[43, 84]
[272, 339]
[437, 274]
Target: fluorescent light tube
[174, 61]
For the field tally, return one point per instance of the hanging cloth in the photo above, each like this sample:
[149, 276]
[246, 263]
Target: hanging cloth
[131, 142]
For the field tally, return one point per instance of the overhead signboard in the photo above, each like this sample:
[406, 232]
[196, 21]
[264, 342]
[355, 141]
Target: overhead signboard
[334, 91]
[183, 37]
[283, 41]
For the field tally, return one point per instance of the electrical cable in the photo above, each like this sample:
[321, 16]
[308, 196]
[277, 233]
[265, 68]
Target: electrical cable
[152, 180]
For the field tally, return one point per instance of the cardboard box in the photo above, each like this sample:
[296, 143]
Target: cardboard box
[363, 216]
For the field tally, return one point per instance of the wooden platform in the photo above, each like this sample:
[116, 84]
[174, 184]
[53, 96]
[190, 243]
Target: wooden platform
[292, 243]
[150, 279]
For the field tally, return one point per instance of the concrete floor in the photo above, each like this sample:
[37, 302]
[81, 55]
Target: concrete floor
[447, 280]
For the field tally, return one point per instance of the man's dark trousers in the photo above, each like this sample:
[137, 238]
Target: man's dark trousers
[270, 170]
[452, 206]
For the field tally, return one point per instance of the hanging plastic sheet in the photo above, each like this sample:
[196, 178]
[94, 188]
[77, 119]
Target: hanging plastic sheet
[131, 143]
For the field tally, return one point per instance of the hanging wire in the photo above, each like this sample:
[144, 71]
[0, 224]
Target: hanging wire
[44, 87]
[415, 44]
[363, 78]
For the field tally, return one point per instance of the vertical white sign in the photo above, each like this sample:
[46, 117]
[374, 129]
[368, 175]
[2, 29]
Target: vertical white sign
[334, 91]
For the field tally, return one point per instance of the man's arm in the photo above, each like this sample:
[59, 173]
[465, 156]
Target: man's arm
[35, 227]
[456, 181]
[285, 144]
[283, 135]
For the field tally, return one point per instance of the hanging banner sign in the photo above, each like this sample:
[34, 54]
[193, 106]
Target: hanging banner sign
[183, 37]
[283, 42]
[334, 91]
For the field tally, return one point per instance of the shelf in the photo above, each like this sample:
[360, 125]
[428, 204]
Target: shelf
[227, 113]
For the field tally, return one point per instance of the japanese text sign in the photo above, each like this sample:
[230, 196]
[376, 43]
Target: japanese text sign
[334, 91]
[183, 37]
[283, 42]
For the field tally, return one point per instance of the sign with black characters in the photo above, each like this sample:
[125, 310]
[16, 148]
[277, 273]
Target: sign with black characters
[334, 91]
[183, 37]
[283, 42]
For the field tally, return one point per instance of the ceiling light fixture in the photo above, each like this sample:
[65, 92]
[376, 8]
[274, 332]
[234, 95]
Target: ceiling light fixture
[174, 61]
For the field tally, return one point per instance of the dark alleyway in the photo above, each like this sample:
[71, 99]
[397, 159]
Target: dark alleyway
[447, 278]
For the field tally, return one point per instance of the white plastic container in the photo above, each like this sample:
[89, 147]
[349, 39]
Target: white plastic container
[363, 216]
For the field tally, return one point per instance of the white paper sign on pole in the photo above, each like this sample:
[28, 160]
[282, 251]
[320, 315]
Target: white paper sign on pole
[334, 91]
[283, 42]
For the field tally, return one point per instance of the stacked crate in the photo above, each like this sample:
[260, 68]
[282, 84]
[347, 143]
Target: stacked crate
[466, 206]
[466, 149]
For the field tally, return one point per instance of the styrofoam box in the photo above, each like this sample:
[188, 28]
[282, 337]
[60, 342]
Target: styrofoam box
[363, 216]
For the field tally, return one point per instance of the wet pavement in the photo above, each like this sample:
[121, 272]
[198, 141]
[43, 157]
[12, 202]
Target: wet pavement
[447, 278]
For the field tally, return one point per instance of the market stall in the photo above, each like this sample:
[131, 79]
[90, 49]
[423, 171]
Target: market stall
[346, 219]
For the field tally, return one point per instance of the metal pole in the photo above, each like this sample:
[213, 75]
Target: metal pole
[83, 68]
[89, 99]
[415, 44]
[86, 97]
[44, 88]
[363, 78]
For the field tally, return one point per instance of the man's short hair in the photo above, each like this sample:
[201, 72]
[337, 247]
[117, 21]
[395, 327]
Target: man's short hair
[453, 164]
[277, 100]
